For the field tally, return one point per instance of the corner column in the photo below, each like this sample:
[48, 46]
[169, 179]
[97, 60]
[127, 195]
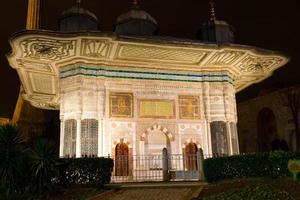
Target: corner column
[78, 138]
[62, 136]
[229, 136]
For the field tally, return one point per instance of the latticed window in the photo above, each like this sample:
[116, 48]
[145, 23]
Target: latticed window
[219, 138]
[89, 138]
[234, 138]
[70, 138]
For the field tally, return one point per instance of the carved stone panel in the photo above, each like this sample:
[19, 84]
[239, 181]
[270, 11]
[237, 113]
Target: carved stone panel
[48, 49]
[95, 48]
[161, 54]
[226, 57]
[257, 63]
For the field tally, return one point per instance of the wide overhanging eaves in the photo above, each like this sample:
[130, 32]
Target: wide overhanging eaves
[42, 53]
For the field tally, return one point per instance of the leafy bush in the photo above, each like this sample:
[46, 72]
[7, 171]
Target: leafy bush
[251, 193]
[85, 171]
[273, 164]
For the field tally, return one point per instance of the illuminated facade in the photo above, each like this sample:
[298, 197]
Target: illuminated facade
[143, 92]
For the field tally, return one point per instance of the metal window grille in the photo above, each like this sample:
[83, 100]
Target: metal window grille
[89, 138]
[70, 138]
[219, 138]
[234, 138]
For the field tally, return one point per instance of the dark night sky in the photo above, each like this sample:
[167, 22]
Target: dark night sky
[264, 23]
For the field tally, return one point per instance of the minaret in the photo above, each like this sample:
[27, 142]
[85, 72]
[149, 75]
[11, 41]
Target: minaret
[32, 23]
[33, 14]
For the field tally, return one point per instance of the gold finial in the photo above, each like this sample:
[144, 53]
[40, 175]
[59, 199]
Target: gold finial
[135, 4]
[212, 10]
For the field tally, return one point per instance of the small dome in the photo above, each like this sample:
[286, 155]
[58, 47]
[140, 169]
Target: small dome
[76, 10]
[217, 31]
[136, 22]
[78, 19]
[136, 14]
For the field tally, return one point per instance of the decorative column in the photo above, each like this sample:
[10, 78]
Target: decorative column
[100, 137]
[62, 135]
[33, 14]
[78, 138]
[229, 137]
[206, 100]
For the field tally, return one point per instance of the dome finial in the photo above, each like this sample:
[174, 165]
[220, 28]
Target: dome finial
[78, 3]
[212, 10]
[135, 4]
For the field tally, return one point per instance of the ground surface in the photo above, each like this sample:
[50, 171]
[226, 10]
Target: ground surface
[281, 184]
[153, 191]
[167, 191]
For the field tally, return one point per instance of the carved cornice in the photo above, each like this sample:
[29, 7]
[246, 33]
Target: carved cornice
[39, 55]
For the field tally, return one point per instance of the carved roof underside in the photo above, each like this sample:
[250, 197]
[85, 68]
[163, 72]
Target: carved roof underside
[38, 55]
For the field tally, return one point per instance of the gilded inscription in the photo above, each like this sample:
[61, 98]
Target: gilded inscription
[189, 107]
[121, 104]
[153, 108]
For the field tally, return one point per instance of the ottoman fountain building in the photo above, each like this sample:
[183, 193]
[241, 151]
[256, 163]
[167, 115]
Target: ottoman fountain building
[132, 92]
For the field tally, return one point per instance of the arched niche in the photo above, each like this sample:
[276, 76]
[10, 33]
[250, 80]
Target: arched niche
[155, 139]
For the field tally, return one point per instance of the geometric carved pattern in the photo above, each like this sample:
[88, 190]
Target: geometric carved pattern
[46, 49]
[255, 63]
[226, 57]
[95, 48]
[42, 83]
[155, 53]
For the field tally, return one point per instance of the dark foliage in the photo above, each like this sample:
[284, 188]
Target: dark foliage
[257, 192]
[85, 171]
[273, 164]
[43, 166]
[13, 161]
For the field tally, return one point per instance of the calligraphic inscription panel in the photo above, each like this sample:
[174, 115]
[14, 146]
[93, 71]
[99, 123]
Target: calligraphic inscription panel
[156, 108]
[189, 107]
[121, 105]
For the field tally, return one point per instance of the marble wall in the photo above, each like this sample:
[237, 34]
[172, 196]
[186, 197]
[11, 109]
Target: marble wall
[92, 97]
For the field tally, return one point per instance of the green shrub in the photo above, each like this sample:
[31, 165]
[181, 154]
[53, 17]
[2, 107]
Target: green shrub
[85, 171]
[273, 164]
[257, 192]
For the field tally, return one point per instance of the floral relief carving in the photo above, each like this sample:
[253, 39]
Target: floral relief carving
[47, 49]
